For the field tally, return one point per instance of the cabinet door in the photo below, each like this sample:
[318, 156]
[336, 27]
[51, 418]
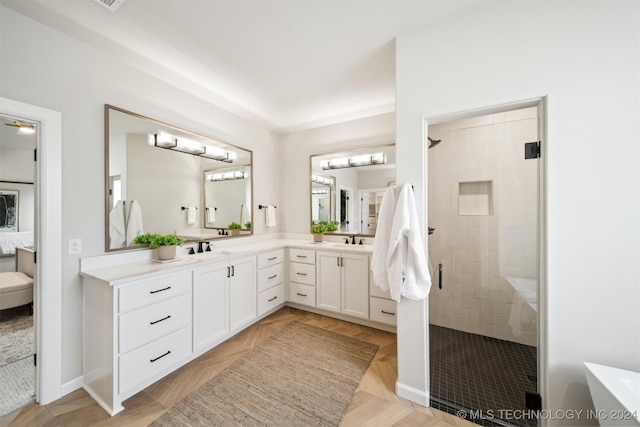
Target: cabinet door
[328, 280]
[355, 285]
[210, 305]
[242, 291]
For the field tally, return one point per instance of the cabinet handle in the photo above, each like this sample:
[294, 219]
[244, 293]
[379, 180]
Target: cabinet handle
[301, 256]
[301, 274]
[388, 312]
[158, 321]
[228, 271]
[160, 290]
[272, 299]
[302, 295]
[161, 356]
[341, 262]
[271, 259]
[338, 261]
[273, 277]
[233, 270]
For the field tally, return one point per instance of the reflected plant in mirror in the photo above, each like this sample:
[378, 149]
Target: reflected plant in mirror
[154, 181]
[348, 186]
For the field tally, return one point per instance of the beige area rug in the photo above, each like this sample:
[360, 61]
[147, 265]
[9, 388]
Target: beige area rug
[301, 376]
[16, 334]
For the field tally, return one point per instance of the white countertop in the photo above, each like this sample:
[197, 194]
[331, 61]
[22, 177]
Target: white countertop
[126, 270]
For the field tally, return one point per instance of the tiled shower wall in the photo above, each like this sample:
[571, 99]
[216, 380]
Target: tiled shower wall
[483, 205]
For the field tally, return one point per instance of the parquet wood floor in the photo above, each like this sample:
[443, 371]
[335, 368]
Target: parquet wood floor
[374, 403]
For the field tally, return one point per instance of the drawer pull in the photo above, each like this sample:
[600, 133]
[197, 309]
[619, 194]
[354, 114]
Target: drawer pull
[161, 356]
[158, 321]
[271, 259]
[272, 299]
[301, 274]
[388, 312]
[160, 290]
[273, 277]
[301, 256]
[302, 295]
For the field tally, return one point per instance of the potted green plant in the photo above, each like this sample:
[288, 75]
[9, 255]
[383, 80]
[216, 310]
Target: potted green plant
[247, 225]
[166, 244]
[319, 228]
[235, 228]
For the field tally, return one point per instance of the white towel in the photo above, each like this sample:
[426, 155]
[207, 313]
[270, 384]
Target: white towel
[117, 228]
[383, 236]
[270, 216]
[134, 225]
[211, 215]
[407, 259]
[191, 215]
[244, 215]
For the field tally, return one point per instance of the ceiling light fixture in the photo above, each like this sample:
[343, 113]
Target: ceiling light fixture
[23, 128]
[350, 162]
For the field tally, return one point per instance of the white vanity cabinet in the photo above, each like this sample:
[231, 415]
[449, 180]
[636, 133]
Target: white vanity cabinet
[210, 306]
[343, 283]
[242, 292]
[271, 280]
[382, 308]
[302, 276]
[135, 332]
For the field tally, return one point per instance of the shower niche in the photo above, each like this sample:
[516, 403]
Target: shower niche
[475, 198]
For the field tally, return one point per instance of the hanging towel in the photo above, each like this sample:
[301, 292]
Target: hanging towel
[134, 225]
[244, 215]
[191, 215]
[211, 215]
[270, 216]
[383, 236]
[117, 228]
[406, 259]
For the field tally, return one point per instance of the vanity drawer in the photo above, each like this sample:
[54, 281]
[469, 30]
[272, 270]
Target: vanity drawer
[383, 310]
[302, 255]
[152, 290]
[158, 356]
[270, 298]
[152, 322]
[270, 258]
[270, 276]
[302, 273]
[302, 294]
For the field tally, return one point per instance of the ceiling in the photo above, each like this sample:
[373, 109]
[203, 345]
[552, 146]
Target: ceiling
[287, 64]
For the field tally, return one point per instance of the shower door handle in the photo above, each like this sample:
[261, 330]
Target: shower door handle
[439, 276]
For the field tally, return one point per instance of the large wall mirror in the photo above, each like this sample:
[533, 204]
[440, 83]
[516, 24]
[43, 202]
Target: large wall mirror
[348, 186]
[162, 179]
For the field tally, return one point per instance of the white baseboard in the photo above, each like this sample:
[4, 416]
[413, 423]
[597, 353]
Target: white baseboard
[414, 395]
[71, 386]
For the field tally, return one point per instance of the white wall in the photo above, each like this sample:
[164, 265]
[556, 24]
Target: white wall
[295, 214]
[585, 57]
[42, 67]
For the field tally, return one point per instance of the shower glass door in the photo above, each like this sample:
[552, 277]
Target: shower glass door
[483, 204]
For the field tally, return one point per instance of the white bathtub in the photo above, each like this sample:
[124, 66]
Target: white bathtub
[615, 394]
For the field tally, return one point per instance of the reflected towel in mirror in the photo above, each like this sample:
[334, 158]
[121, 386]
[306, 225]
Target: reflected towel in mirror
[134, 224]
[270, 216]
[211, 215]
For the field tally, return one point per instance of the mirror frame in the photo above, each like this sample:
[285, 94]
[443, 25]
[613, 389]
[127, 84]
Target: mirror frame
[335, 201]
[107, 109]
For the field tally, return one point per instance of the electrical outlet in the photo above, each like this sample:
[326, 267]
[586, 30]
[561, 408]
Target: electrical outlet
[75, 246]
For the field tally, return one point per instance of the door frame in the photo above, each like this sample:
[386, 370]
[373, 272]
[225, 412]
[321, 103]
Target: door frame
[540, 103]
[48, 242]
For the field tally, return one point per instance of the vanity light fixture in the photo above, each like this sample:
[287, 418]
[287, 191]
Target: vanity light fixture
[320, 191]
[177, 143]
[23, 128]
[321, 180]
[349, 162]
[226, 176]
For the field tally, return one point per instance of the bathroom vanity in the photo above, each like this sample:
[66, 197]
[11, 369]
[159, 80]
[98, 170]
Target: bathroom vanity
[143, 320]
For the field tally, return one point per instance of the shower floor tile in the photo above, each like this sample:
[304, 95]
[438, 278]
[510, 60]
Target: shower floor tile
[474, 372]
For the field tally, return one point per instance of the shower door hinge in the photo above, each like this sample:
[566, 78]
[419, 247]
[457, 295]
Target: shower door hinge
[35, 359]
[35, 155]
[533, 401]
[532, 150]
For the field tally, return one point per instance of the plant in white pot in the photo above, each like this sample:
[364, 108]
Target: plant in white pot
[166, 244]
[319, 228]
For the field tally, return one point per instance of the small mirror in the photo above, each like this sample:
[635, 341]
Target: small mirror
[348, 186]
[155, 182]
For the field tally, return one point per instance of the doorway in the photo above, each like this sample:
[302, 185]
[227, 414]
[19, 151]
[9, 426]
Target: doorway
[484, 209]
